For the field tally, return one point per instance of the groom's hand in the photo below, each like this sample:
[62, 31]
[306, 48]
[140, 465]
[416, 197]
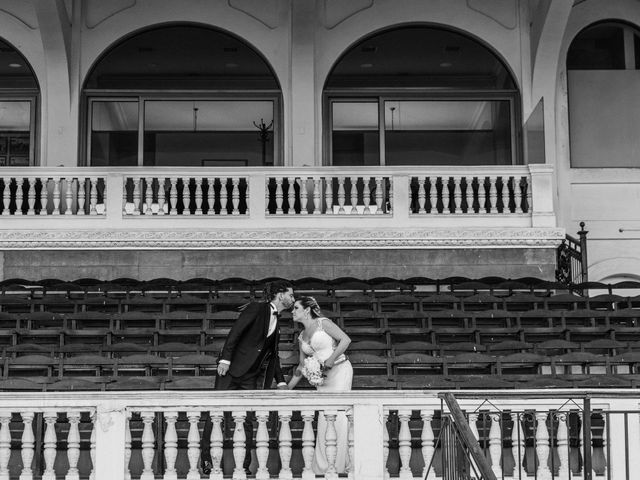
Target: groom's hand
[223, 368]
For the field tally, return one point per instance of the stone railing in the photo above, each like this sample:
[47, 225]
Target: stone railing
[189, 204]
[123, 435]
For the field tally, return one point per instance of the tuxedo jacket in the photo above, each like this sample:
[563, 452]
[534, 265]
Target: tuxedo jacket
[247, 339]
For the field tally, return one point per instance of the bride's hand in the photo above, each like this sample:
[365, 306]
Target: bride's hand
[328, 363]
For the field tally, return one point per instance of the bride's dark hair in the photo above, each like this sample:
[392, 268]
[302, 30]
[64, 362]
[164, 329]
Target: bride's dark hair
[312, 305]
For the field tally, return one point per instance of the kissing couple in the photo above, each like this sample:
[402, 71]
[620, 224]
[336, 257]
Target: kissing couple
[249, 360]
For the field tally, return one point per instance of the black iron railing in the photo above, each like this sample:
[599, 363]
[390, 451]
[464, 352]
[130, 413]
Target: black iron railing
[571, 258]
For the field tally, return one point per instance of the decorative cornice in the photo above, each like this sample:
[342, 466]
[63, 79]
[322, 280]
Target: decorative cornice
[274, 239]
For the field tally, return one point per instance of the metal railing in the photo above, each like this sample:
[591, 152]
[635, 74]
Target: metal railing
[571, 258]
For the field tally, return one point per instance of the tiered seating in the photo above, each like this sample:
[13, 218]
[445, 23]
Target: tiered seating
[412, 333]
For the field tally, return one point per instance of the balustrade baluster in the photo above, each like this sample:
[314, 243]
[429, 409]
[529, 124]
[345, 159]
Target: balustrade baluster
[170, 446]
[328, 195]
[81, 196]
[427, 439]
[331, 445]
[125, 184]
[404, 444]
[473, 425]
[422, 195]
[390, 197]
[542, 446]
[493, 195]
[235, 195]
[527, 184]
[6, 195]
[385, 443]
[445, 195]
[224, 196]
[162, 195]
[173, 195]
[291, 195]
[211, 196]
[351, 467]
[354, 195]
[366, 195]
[137, 186]
[27, 445]
[341, 195]
[505, 194]
[379, 196]
[279, 196]
[457, 195]
[433, 195]
[605, 457]
[198, 196]
[239, 441]
[581, 449]
[148, 440]
[186, 196]
[262, 445]
[73, 446]
[216, 445]
[284, 444]
[482, 195]
[193, 444]
[50, 440]
[267, 196]
[517, 447]
[92, 445]
[247, 193]
[31, 195]
[93, 196]
[19, 196]
[127, 445]
[304, 196]
[317, 198]
[517, 194]
[468, 192]
[563, 447]
[148, 198]
[308, 445]
[5, 444]
[495, 444]
[68, 184]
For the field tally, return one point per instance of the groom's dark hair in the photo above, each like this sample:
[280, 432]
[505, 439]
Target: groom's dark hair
[271, 289]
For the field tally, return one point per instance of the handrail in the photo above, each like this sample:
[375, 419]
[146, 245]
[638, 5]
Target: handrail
[467, 437]
[572, 263]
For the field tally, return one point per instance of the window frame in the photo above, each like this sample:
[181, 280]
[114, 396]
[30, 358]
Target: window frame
[33, 97]
[382, 95]
[89, 96]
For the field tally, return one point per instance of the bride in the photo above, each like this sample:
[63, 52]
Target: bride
[324, 340]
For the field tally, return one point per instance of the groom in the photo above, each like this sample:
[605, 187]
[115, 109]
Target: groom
[251, 349]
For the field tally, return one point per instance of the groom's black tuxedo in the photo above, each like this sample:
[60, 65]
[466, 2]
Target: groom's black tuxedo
[248, 347]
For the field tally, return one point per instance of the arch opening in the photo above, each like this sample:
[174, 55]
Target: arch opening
[421, 95]
[182, 95]
[19, 94]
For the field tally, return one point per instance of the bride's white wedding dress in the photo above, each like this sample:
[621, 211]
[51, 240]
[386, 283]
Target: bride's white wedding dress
[338, 379]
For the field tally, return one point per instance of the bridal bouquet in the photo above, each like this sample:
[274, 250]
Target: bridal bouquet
[312, 370]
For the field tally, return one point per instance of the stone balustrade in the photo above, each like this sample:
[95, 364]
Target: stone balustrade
[392, 434]
[203, 208]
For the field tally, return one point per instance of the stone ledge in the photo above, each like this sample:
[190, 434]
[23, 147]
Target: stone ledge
[278, 239]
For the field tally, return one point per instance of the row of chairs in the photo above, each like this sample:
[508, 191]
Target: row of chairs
[380, 303]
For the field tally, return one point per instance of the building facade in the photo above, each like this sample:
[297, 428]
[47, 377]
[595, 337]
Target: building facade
[365, 138]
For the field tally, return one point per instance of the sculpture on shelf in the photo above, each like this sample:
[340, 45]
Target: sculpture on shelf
[263, 137]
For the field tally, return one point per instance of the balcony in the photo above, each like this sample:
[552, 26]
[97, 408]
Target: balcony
[326, 207]
[576, 434]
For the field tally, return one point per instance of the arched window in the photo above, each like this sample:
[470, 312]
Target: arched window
[603, 80]
[182, 95]
[19, 94]
[419, 95]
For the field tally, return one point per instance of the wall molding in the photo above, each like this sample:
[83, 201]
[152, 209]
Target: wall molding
[284, 239]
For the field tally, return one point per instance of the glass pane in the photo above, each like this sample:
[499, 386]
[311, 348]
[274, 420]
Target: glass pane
[355, 137]
[114, 133]
[208, 133]
[453, 132]
[600, 47]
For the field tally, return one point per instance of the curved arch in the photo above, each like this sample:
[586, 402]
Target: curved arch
[426, 25]
[615, 267]
[168, 25]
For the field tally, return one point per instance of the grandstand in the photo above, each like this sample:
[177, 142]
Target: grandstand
[429, 171]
